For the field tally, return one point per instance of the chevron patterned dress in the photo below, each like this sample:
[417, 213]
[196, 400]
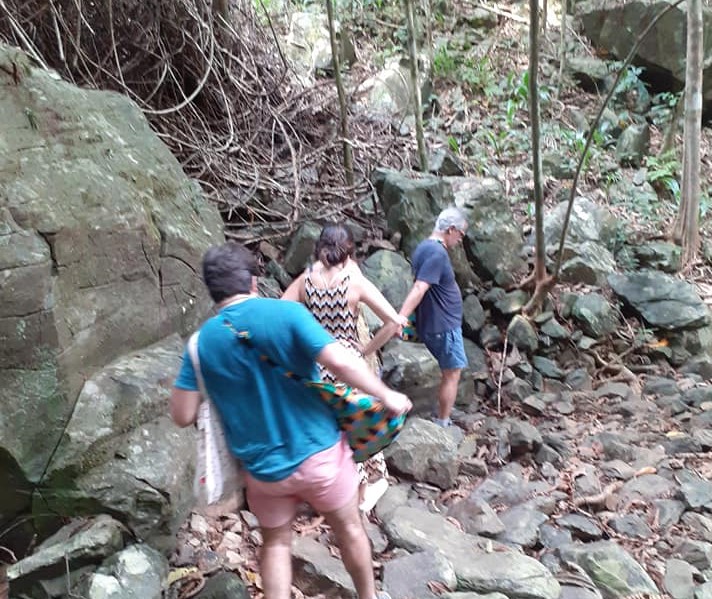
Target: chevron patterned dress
[330, 306]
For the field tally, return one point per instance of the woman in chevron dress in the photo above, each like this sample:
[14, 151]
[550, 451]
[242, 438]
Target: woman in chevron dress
[332, 289]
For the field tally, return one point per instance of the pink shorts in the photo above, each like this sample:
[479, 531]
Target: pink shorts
[327, 481]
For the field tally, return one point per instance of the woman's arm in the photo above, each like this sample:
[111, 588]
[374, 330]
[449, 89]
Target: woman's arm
[393, 322]
[382, 336]
[295, 291]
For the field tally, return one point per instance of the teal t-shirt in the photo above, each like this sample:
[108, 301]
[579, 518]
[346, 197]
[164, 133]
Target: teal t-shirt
[272, 423]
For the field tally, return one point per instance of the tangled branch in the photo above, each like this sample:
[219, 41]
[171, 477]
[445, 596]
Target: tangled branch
[217, 90]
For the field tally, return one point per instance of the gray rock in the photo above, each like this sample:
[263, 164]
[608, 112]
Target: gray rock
[603, 23]
[510, 573]
[547, 367]
[301, 248]
[704, 591]
[696, 553]
[552, 328]
[317, 571]
[588, 262]
[524, 438]
[588, 222]
[697, 493]
[633, 145]
[612, 569]
[425, 452]
[102, 240]
[445, 164]
[224, 585]
[701, 525]
[391, 273]
[594, 315]
[521, 526]
[410, 575]
[663, 301]
[494, 241]
[646, 487]
[522, 334]
[410, 368]
[119, 448]
[679, 579]
[473, 317]
[659, 255]
[631, 525]
[512, 302]
[669, 511]
[618, 469]
[553, 537]
[82, 542]
[137, 572]
[581, 527]
[477, 517]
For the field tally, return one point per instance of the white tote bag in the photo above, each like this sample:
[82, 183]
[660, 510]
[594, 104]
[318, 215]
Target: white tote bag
[218, 474]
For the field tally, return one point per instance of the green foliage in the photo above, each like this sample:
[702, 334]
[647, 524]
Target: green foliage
[663, 107]
[630, 79]
[476, 74]
[662, 173]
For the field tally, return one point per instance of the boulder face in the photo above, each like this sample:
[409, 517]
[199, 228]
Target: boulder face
[101, 239]
[663, 50]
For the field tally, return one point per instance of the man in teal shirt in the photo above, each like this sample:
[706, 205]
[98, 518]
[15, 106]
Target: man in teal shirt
[286, 436]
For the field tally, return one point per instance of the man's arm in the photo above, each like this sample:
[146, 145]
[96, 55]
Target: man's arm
[184, 406]
[414, 297]
[354, 371]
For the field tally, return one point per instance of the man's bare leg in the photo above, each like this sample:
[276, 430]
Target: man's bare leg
[276, 562]
[355, 547]
[447, 392]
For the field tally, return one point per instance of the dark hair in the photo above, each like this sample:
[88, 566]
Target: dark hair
[336, 243]
[228, 270]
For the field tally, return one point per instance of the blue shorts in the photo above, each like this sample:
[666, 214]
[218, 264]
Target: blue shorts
[447, 348]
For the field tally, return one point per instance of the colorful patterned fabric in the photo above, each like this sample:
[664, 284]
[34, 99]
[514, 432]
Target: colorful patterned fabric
[367, 424]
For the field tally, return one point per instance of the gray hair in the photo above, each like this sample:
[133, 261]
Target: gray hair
[450, 217]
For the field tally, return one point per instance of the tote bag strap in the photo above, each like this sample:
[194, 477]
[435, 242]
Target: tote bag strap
[195, 359]
[244, 337]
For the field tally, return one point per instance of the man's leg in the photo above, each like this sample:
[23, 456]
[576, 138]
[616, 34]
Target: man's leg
[447, 392]
[354, 545]
[276, 562]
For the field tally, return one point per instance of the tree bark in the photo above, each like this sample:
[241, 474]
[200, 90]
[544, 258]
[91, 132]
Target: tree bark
[4, 585]
[540, 275]
[686, 230]
[417, 99]
[343, 108]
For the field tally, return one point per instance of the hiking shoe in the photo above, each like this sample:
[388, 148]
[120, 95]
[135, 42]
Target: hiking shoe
[444, 422]
[372, 494]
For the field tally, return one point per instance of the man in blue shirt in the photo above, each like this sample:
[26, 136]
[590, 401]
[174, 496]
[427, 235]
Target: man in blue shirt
[437, 301]
[285, 435]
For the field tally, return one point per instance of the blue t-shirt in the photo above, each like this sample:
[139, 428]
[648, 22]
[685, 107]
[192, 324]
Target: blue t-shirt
[272, 423]
[441, 307]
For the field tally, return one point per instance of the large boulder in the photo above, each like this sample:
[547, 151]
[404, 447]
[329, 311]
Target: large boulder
[493, 243]
[663, 51]
[101, 238]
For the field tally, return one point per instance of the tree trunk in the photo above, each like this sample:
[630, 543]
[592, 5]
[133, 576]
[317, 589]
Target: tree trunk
[686, 231]
[549, 282]
[4, 585]
[540, 277]
[343, 109]
[562, 50]
[417, 99]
